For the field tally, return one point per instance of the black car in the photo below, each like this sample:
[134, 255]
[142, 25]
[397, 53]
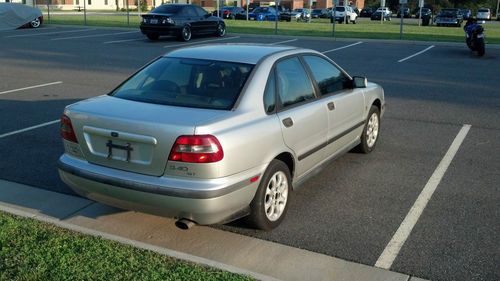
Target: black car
[230, 12]
[378, 14]
[449, 17]
[426, 12]
[367, 12]
[320, 13]
[181, 20]
[406, 13]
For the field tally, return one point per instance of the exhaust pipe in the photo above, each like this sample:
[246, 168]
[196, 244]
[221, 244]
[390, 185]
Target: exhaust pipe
[184, 224]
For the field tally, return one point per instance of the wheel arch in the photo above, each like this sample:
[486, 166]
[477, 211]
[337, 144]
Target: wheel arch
[287, 158]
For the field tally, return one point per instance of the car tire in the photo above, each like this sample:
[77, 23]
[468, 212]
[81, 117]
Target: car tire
[221, 30]
[152, 36]
[35, 23]
[371, 131]
[185, 34]
[270, 204]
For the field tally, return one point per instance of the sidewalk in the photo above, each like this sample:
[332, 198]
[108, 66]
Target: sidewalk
[260, 259]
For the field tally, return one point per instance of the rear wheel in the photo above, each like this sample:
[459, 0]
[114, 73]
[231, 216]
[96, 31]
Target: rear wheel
[153, 36]
[480, 47]
[185, 34]
[270, 204]
[370, 133]
[35, 23]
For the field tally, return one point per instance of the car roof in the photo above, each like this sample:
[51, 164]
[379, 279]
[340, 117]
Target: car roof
[242, 53]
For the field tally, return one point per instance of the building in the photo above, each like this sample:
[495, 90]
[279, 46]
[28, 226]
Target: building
[209, 5]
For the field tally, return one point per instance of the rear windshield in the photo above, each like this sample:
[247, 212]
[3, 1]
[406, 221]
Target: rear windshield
[187, 82]
[167, 9]
[483, 10]
[340, 9]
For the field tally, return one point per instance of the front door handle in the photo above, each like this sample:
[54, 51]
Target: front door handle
[331, 105]
[288, 122]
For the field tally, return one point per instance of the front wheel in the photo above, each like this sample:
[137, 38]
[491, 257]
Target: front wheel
[270, 204]
[35, 23]
[371, 130]
[221, 30]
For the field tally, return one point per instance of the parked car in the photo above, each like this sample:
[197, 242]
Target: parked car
[466, 13]
[406, 13]
[208, 134]
[449, 17]
[181, 20]
[385, 10]
[283, 13]
[377, 15]
[366, 12]
[16, 15]
[483, 14]
[343, 12]
[230, 12]
[301, 13]
[425, 12]
[320, 13]
[263, 13]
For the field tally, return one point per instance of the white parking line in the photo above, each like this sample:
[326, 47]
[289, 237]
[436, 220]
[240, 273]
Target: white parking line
[283, 42]
[50, 33]
[414, 55]
[197, 42]
[29, 128]
[31, 87]
[336, 49]
[120, 41]
[392, 249]
[94, 35]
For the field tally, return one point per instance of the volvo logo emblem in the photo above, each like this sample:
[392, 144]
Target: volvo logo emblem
[115, 134]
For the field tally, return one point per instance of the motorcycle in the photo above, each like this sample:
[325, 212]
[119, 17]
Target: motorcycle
[474, 36]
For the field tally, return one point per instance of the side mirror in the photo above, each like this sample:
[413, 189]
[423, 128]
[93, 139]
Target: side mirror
[359, 82]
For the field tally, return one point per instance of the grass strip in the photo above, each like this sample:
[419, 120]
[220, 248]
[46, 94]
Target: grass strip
[364, 29]
[32, 250]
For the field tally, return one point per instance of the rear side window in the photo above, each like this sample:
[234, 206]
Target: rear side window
[294, 86]
[187, 82]
[327, 76]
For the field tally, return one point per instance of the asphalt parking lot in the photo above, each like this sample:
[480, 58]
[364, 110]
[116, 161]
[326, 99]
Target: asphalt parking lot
[350, 210]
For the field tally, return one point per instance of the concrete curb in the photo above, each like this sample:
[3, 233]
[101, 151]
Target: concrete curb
[227, 251]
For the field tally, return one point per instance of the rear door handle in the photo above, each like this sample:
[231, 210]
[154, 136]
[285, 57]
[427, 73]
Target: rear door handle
[331, 105]
[288, 122]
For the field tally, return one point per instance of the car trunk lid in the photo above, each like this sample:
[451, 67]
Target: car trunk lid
[132, 136]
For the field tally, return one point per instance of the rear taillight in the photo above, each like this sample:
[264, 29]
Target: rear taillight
[196, 149]
[67, 131]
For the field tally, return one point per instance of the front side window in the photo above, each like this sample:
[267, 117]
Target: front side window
[327, 76]
[294, 86]
[187, 82]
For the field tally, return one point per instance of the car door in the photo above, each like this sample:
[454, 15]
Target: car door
[345, 104]
[193, 18]
[303, 118]
[206, 22]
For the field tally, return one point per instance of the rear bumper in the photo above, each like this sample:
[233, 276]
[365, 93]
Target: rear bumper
[203, 201]
[161, 30]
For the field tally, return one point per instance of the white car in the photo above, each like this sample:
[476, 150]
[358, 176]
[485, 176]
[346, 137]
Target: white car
[344, 12]
[483, 14]
[385, 10]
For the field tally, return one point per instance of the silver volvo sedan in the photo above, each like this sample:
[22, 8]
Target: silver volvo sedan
[213, 133]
